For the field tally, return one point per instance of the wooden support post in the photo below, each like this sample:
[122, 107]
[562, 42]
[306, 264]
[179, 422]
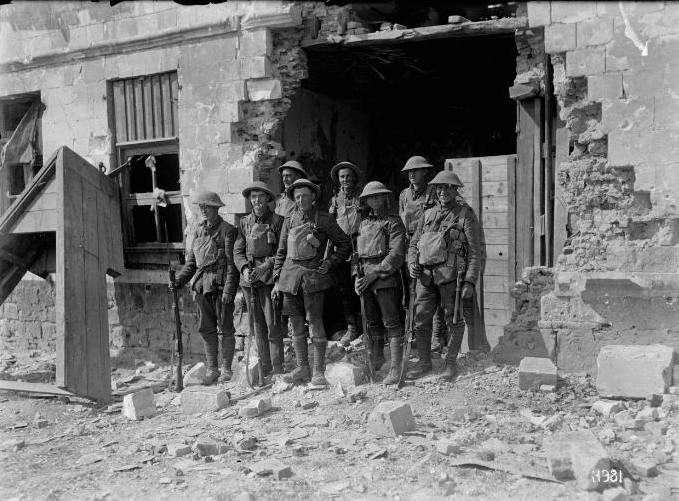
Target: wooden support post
[549, 165]
[538, 184]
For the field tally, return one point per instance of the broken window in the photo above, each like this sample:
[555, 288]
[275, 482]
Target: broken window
[21, 144]
[144, 117]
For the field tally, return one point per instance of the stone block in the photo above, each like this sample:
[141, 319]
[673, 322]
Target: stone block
[535, 372]
[656, 429]
[595, 31]
[195, 399]
[538, 13]
[229, 112]
[255, 407]
[645, 468]
[607, 407]
[391, 418]
[574, 456]
[255, 43]
[140, 404]
[178, 450]
[254, 67]
[209, 447]
[606, 86]
[585, 62]
[195, 376]
[239, 371]
[447, 447]
[648, 414]
[279, 470]
[264, 89]
[346, 374]
[559, 38]
[627, 421]
[572, 12]
[634, 371]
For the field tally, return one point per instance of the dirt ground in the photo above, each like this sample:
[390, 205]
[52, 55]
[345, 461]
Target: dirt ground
[56, 449]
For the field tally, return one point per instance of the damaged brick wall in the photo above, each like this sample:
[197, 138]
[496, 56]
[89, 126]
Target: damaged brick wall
[521, 336]
[616, 82]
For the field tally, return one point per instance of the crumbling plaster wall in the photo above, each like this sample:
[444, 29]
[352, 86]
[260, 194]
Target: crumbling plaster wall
[617, 280]
[238, 64]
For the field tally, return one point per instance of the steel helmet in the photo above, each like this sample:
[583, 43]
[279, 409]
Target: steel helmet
[447, 177]
[295, 165]
[374, 188]
[258, 186]
[334, 173]
[208, 198]
[416, 162]
[300, 183]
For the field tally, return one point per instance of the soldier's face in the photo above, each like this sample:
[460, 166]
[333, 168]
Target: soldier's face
[346, 178]
[376, 202]
[416, 176]
[289, 176]
[208, 212]
[446, 192]
[304, 198]
[258, 199]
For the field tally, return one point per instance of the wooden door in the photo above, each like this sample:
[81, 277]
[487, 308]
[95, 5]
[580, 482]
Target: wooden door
[486, 190]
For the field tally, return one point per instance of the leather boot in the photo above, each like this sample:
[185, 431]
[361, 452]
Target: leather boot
[319, 363]
[378, 352]
[228, 347]
[301, 373]
[351, 334]
[396, 351]
[451, 370]
[211, 348]
[423, 365]
[276, 351]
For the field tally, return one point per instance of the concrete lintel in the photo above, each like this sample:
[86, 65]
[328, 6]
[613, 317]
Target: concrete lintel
[504, 26]
[126, 45]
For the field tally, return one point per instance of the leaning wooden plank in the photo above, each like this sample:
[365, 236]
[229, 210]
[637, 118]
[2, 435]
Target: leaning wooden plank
[71, 296]
[44, 388]
[38, 184]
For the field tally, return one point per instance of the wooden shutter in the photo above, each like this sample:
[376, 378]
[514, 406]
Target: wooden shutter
[145, 107]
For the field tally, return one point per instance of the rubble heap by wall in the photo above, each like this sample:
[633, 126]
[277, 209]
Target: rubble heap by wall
[617, 86]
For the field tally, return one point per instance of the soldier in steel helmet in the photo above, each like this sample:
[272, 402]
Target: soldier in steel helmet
[302, 275]
[346, 207]
[381, 252]
[444, 256]
[290, 172]
[412, 203]
[254, 253]
[210, 268]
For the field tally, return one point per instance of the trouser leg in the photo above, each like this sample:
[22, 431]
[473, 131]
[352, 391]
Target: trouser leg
[350, 303]
[426, 302]
[373, 320]
[388, 300]
[456, 330]
[313, 305]
[208, 321]
[273, 327]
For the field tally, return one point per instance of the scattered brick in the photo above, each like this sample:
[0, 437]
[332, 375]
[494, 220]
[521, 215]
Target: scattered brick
[178, 450]
[256, 407]
[574, 456]
[447, 447]
[195, 399]
[138, 405]
[607, 407]
[346, 374]
[390, 419]
[535, 372]
[209, 447]
[195, 375]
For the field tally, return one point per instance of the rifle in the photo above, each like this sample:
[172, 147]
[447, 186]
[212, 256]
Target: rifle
[458, 290]
[410, 327]
[366, 333]
[252, 334]
[177, 337]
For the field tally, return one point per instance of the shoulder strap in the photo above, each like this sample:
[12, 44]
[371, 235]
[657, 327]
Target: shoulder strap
[461, 216]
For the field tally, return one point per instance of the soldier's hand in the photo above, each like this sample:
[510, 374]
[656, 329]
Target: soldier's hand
[364, 282]
[254, 275]
[324, 268]
[332, 210]
[275, 293]
[467, 291]
[246, 274]
[415, 270]
[227, 298]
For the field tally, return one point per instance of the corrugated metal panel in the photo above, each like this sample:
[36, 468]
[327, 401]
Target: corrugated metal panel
[145, 107]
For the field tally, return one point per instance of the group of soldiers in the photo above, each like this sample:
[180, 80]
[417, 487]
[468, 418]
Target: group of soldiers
[285, 259]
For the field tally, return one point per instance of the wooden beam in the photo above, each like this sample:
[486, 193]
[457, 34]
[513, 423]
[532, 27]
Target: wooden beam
[521, 91]
[43, 388]
[504, 26]
[11, 258]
